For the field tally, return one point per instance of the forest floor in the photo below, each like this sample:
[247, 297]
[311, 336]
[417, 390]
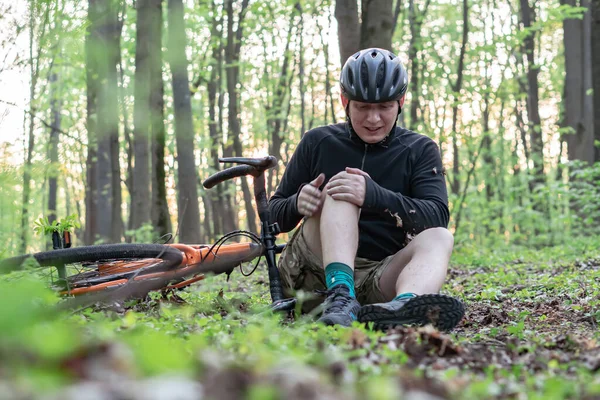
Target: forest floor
[530, 331]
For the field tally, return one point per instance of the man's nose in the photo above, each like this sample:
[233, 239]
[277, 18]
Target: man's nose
[373, 116]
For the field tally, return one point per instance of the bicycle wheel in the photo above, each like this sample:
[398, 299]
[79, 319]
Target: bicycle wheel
[197, 260]
[93, 268]
[202, 259]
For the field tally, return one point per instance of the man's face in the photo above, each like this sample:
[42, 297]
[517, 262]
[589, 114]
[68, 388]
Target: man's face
[373, 121]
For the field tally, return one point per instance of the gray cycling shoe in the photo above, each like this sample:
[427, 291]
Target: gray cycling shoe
[443, 312]
[339, 308]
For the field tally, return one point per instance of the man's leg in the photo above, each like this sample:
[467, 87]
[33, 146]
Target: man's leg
[427, 255]
[335, 230]
[410, 284]
[339, 232]
[333, 235]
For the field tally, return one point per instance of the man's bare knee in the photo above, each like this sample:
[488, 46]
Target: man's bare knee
[442, 236]
[438, 238]
[333, 206]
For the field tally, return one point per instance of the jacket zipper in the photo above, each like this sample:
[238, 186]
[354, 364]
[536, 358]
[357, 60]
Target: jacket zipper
[362, 168]
[362, 164]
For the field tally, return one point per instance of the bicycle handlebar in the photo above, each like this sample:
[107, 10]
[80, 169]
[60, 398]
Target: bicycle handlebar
[253, 166]
[256, 167]
[262, 162]
[229, 173]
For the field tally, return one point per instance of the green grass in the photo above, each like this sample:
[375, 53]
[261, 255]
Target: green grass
[531, 331]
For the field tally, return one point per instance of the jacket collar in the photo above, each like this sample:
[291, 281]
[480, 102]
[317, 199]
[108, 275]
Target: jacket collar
[385, 142]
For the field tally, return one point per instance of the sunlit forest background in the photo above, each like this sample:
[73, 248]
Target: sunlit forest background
[113, 112]
[116, 110]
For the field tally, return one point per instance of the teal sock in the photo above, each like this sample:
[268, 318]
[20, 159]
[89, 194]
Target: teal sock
[339, 274]
[403, 296]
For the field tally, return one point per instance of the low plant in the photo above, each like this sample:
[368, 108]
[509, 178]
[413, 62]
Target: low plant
[44, 227]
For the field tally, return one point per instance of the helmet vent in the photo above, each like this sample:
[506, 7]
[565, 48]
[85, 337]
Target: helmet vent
[380, 75]
[364, 74]
[396, 77]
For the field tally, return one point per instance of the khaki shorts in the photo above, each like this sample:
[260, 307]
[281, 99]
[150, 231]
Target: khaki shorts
[301, 269]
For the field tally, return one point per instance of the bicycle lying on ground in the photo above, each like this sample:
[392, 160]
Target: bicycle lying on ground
[115, 271]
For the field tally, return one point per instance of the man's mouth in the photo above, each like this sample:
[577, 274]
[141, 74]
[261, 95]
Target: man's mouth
[373, 129]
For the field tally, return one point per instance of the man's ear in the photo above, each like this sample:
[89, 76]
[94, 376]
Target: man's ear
[400, 104]
[345, 101]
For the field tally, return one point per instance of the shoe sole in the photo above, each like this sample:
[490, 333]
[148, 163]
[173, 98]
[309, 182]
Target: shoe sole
[443, 312]
[331, 322]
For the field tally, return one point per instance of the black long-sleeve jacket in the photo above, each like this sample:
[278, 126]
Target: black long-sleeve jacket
[406, 192]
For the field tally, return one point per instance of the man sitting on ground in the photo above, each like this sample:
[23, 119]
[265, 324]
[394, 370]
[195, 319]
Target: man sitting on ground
[374, 205]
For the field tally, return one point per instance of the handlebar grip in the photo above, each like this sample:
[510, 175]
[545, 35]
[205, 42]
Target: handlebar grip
[229, 173]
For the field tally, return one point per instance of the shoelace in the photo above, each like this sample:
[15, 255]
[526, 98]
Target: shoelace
[338, 301]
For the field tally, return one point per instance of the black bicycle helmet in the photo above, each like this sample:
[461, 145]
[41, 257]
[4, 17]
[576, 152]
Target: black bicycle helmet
[373, 76]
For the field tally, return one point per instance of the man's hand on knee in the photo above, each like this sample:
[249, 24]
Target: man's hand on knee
[348, 185]
[310, 199]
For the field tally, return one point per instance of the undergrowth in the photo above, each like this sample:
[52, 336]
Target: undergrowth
[531, 331]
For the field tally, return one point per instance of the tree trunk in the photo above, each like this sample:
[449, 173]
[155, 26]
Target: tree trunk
[226, 188]
[533, 113]
[208, 216]
[374, 27]
[595, 34]
[301, 68]
[232, 58]
[161, 219]
[55, 106]
[91, 220]
[117, 199]
[523, 133]
[216, 195]
[123, 101]
[113, 49]
[377, 24]
[275, 119]
[27, 180]
[33, 72]
[140, 195]
[514, 159]
[92, 82]
[189, 210]
[578, 102]
[456, 88]
[346, 14]
[128, 138]
[103, 52]
[501, 172]
[486, 88]
[488, 159]
[416, 18]
[397, 12]
[217, 201]
[325, 48]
